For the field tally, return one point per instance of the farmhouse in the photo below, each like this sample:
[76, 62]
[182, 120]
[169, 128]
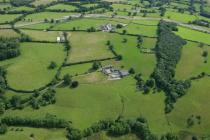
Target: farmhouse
[107, 27]
[114, 74]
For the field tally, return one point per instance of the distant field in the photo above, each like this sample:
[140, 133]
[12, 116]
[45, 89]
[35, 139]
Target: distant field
[42, 35]
[8, 33]
[33, 64]
[22, 8]
[138, 29]
[83, 24]
[88, 46]
[42, 2]
[192, 61]
[180, 17]
[121, 7]
[89, 5]
[39, 134]
[5, 6]
[62, 7]
[41, 26]
[8, 18]
[45, 15]
[193, 35]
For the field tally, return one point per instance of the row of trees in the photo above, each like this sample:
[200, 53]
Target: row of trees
[115, 128]
[168, 53]
[49, 121]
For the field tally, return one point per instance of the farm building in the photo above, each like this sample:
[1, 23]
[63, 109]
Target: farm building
[107, 27]
[60, 39]
[114, 74]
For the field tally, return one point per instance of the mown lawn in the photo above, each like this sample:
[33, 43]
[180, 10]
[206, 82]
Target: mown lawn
[193, 35]
[30, 70]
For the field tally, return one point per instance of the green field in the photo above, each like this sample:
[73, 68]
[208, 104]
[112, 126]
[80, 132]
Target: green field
[39, 134]
[121, 7]
[89, 5]
[62, 7]
[39, 26]
[22, 8]
[42, 2]
[93, 46]
[42, 35]
[139, 29]
[8, 33]
[83, 24]
[192, 66]
[40, 17]
[196, 102]
[76, 69]
[32, 65]
[8, 18]
[193, 35]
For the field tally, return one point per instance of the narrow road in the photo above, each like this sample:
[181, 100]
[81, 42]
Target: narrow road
[194, 27]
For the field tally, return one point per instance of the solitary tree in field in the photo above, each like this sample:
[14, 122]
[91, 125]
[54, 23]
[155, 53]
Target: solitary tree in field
[52, 65]
[67, 80]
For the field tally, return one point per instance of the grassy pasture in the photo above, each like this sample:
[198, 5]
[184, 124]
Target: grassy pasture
[138, 29]
[193, 35]
[93, 46]
[62, 7]
[132, 58]
[5, 6]
[103, 100]
[89, 5]
[8, 33]
[42, 35]
[22, 8]
[42, 2]
[121, 7]
[183, 17]
[146, 22]
[196, 102]
[39, 134]
[103, 136]
[32, 65]
[83, 24]
[8, 18]
[41, 26]
[192, 61]
[76, 69]
[45, 15]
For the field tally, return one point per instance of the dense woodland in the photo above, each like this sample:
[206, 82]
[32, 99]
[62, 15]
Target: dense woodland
[9, 48]
[168, 53]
